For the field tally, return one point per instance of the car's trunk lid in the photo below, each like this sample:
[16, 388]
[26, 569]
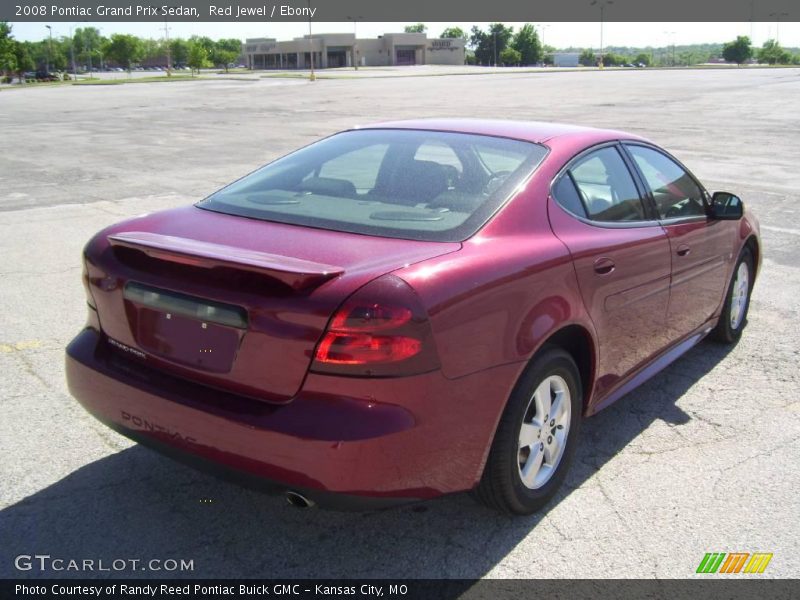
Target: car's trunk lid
[232, 302]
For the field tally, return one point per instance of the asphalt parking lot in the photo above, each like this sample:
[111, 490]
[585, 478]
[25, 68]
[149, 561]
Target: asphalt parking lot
[703, 458]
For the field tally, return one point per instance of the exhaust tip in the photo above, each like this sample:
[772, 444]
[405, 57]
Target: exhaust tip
[298, 500]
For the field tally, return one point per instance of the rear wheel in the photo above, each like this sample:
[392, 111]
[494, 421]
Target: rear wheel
[737, 301]
[535, 439]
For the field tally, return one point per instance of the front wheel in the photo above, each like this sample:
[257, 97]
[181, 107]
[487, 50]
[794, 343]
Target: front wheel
[535, 439]
[737, 301]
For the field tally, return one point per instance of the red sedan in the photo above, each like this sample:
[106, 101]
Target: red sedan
[410, 309]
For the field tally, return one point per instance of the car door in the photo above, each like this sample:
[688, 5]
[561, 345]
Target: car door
[700, 247]
[621, 257]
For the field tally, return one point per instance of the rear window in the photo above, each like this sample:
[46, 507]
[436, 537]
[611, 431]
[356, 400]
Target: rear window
[424, 185]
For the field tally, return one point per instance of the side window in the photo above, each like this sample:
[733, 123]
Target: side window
[606, 187]
[566, 195]
[356, 170]
[674, 191]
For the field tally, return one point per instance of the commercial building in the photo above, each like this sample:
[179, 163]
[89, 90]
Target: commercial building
[344, 50]
[566, 59]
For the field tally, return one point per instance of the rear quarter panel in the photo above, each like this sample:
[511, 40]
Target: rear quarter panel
[509, 288]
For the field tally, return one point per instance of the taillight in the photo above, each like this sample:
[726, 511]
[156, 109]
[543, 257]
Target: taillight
[380, 331]
[86, 288]
[92, 319]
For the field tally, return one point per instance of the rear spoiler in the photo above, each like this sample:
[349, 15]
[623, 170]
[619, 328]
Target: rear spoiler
[294, 272]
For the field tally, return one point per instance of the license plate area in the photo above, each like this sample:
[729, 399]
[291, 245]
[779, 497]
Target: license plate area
[184, 329]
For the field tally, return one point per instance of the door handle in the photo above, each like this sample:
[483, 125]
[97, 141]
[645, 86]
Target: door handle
[604, 266]
[683, 250]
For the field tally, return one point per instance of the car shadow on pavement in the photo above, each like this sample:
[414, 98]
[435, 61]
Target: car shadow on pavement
[135, 504]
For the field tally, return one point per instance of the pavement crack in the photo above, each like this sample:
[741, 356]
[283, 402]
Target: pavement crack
[29, 368]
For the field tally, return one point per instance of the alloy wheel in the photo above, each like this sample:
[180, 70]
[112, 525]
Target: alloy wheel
[741, 287]
[544, 430]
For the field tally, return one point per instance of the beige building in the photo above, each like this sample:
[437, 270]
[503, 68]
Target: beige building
[344, 50]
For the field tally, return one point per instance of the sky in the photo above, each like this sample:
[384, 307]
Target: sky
[559, 35]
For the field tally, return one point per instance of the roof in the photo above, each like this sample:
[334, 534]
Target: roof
[531, 131]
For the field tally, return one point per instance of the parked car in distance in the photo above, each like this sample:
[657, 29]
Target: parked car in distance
[42, 75]
[410, 309]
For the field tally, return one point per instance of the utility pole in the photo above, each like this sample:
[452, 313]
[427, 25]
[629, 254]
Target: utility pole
[778, 16]
[169, 53]
[72, 54]
[542, 27]
[494, 34]
[355, 40]
[671, 34]
[88, 40]
[544, 52]
[91, 51]
[49, 48]
[311, 77]
[601, 4]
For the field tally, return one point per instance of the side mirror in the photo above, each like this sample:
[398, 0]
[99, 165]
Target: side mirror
[726, 207]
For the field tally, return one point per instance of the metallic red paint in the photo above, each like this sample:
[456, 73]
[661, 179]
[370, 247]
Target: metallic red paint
[370, 437]
[492, 302]
[285, 324]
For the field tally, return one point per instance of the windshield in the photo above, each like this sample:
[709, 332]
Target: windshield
[424, 185]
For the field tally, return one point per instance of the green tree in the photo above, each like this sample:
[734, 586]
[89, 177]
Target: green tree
[23, 61]
[489, 45]
[225, 52]
[772, 53]
[205, 41]
[417, 28]
[46, 53]
[476, 42]
[587, 58]
[7, 60]
[88, 45]
[124, 49]
[152, 51]
[691, 57]
[509, 57]
[738, 51]
[65, 48]
[198, 56]
[642, 59]
[454, 33]
[179, 49]
[527, 43]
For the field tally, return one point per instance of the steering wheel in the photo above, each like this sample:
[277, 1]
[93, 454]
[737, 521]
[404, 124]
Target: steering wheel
[677, 209]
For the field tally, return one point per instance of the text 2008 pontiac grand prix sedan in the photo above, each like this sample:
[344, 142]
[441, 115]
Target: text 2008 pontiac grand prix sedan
[410, 309]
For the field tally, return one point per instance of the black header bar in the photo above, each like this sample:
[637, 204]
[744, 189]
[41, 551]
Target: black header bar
[709, 588]
[401, 10]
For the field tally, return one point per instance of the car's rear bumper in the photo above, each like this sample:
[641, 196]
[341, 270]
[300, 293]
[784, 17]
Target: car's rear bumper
[340, 442]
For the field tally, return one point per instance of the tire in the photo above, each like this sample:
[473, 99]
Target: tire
[512, 482]
[737, 301]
